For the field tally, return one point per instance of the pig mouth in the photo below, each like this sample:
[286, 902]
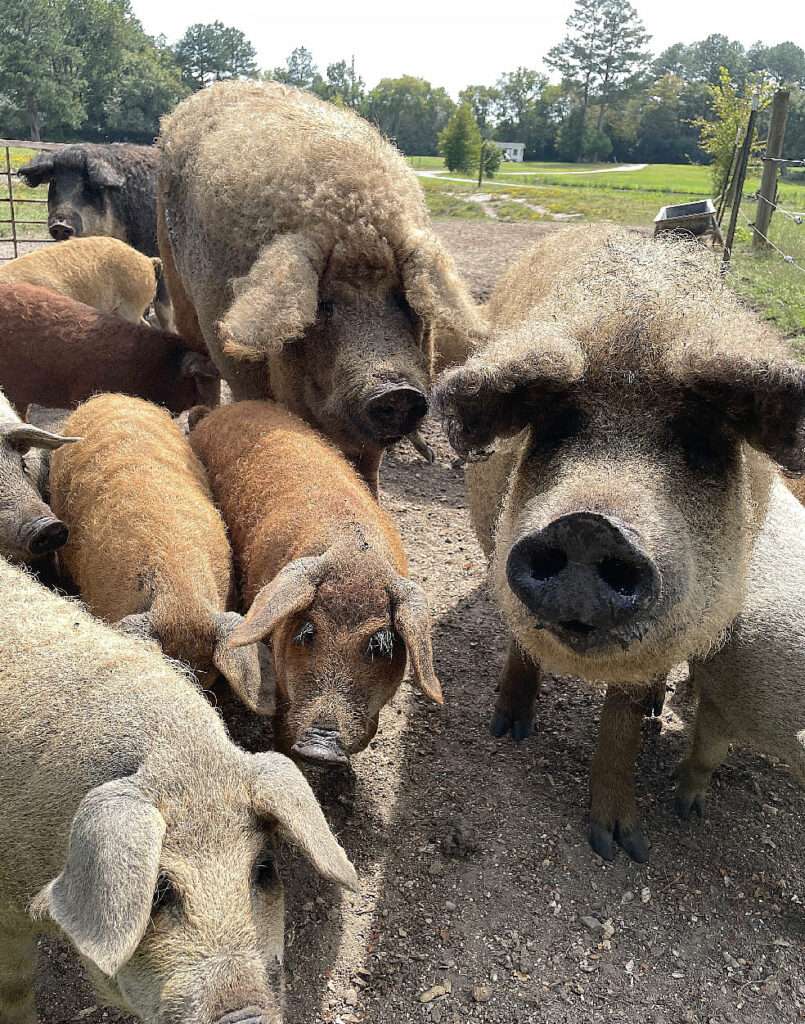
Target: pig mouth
[322, 747]
[584, 638]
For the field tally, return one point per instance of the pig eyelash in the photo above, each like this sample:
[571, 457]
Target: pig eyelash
[305, 634]
[381, 644]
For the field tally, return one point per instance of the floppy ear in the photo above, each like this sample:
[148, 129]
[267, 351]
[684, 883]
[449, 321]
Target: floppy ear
[276, 301]
[495, 393]
[39, 170]
[140, 625]
[764, 401]
[102, 174]
[248, 670]
[23, 436]
[435, 291]
[290, 592]
[279, 790]
[102, 898]
[194, 364]
[47, 417]
[413, 622]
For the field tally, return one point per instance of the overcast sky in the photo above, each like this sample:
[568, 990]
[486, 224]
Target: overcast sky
[446, 43]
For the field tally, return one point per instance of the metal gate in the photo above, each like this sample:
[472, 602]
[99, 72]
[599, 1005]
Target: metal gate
[13, 208]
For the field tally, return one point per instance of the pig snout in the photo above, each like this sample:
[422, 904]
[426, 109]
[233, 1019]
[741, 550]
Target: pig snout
[582, 576]
[246, 1015]
[395, 410]
[44, 535]
[321, 744]
[60, 231]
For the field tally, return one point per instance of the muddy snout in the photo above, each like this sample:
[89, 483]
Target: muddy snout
[583, 575]
[395, 410]
[321, 744]
[44, 535]
[64, 227]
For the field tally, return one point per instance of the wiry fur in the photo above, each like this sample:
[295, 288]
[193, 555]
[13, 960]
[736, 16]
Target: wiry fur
[57, 352]
[147, 544]
[275, 203]
[305, 527]
[101, 272]
[118, 782]
[112, 187]
[624, 379]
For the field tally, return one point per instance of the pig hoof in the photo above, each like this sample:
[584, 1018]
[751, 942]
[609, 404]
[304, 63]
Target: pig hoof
[633, 842]
[687, 804]
[605, 841]
[504, 721]
[602, 841]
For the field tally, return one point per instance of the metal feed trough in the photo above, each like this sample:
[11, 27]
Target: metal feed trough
[697, 219]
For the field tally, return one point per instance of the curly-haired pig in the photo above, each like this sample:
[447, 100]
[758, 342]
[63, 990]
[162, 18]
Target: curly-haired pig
[638, 414]
[148, 550]
[296, 241]
[29, 530]
[104, 273]
[135, 828]
[324, 576]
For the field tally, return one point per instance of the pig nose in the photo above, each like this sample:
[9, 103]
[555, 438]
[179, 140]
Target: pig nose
[583, 573]
[61, 231]
[396, 411]
[46, 535]
[321, 744]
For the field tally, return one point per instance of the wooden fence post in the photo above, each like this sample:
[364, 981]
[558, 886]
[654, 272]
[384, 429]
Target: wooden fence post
[740, 178]
[767, 194]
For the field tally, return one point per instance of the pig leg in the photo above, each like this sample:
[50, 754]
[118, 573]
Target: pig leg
[17, 968]
[519, 688]
[613, 809]
[368, 465]
[711, 743]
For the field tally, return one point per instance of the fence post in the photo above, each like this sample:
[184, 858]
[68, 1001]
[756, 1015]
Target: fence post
[11, 215]
[740, 178]
[767, 194]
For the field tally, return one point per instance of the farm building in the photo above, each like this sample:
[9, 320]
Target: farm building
[512, 150]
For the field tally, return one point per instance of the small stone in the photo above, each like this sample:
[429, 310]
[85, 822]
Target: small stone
[627, 897]
[449, 906]
[608, 929]
[482, 993]
[592, 923]
[645, 894]
[435, 992]
[351, 998]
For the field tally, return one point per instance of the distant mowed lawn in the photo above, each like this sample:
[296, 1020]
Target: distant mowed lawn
[546, 191]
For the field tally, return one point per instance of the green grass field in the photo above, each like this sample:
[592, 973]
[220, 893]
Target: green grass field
[774, 287]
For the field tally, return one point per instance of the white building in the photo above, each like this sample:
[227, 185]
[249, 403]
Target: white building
[514, 151]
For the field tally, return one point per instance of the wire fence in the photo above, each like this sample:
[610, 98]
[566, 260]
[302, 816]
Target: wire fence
[23, 210]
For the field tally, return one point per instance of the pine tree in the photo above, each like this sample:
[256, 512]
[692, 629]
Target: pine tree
[460, 142]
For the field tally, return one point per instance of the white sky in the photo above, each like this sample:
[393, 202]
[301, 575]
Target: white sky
[445, 42]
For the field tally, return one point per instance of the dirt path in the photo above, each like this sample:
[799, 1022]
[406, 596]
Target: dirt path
[481, 900]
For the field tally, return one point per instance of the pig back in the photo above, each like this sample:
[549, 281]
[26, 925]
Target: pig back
[80, 704]
[140, 512]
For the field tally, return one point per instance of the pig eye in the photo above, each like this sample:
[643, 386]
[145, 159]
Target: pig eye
[165, 894]
[705, 444]
[326, 307]
[265, 873]
[555, 424]
[381, 645]
[304, 636]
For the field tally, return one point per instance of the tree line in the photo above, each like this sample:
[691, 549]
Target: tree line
[87, 69]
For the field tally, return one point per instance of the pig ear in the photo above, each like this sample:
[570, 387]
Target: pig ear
[435, 292]
[276, 301]
[291, 591]
[22, 436]
[46, 417]
[140, 625]
[280, 791]
[38, 171]
[762, 401]
[195, 364]
[248, 670]
[102, 174]
[102, 899]
[413, 622]
[494, 394]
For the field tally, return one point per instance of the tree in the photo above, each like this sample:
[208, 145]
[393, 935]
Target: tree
[460, 141]
[703, 61]
[149, 85]
[341, 85]
[214, 52]
[490, 161]
[784, 62]
[623, 53]
[409, 111]
[577, 57]
[522, 113]
[299, 70]
[484, 101]
[731, 106]
[40, 73]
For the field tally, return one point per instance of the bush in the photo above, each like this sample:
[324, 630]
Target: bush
[460, 142]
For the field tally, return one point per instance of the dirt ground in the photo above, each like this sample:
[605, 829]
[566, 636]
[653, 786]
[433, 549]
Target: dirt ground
[480, 899]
